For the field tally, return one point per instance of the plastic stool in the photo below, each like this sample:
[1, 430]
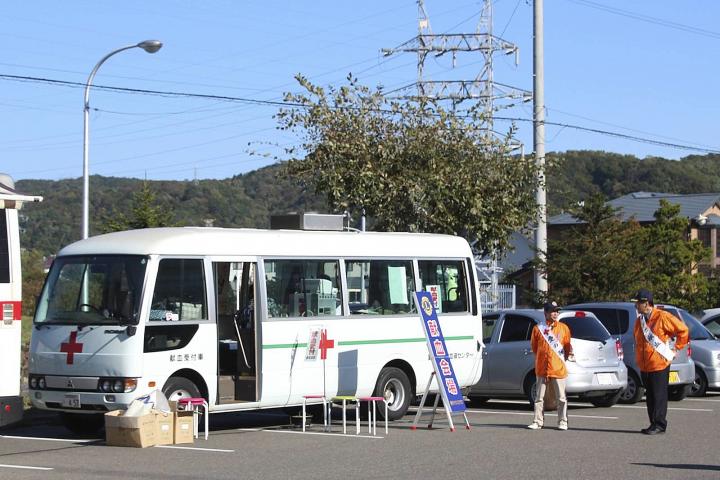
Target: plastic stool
[325, 409]
[372, 414]
[344, 399]
[196, 403]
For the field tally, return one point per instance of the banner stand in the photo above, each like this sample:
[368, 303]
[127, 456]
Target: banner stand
[449, 414]
[443, 372]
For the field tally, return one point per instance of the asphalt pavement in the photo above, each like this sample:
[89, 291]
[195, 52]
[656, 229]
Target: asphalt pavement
[603, 443]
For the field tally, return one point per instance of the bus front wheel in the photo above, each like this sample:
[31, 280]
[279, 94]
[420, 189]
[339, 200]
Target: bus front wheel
[180, 387]
[394, 386]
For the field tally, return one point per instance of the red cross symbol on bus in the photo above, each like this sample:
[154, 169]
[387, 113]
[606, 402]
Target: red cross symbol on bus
[325, 344]
[71, 347]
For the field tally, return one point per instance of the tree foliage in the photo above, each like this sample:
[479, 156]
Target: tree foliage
[146, 212]
[596, 260]
[606, 259]
[410, 166]
[33, 277]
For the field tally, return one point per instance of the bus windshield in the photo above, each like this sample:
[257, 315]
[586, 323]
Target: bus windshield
[93, 290]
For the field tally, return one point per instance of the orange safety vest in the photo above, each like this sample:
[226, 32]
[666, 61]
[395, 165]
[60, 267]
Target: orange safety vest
[664, 325]
[547, 362]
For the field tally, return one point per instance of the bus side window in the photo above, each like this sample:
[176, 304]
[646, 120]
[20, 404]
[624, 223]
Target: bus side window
[303, 288]
[179, 291]
[380, 287]
[445, 279]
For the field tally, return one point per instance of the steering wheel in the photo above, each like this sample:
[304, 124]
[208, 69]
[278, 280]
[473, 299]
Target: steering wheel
[92, 307]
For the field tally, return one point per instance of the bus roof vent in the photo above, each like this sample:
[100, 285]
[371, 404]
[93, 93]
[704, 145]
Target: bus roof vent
[307, 221]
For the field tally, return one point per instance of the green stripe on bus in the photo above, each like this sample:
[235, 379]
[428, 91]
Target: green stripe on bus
[366, 342]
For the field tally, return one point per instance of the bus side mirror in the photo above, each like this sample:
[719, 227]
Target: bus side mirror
[131, 330]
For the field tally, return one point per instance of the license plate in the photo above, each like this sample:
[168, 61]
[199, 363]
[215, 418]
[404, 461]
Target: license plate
[604, 378]
[674, 377]
[71, 401]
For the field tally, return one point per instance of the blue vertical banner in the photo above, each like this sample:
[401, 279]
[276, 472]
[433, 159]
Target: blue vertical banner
[444, 372]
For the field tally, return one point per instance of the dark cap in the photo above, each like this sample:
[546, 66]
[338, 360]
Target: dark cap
[643, 295]
[551, 307]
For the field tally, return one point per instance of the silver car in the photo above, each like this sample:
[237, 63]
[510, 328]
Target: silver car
[619, 318]
[705, 352]
[597, 375]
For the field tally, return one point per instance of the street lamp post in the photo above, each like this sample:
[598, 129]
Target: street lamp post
[150, 46]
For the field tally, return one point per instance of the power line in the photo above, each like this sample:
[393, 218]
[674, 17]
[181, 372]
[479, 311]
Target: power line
[275, 103]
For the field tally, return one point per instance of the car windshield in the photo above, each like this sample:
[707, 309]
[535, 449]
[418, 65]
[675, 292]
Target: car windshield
[92, 290]
[698, 331]
[586, 328]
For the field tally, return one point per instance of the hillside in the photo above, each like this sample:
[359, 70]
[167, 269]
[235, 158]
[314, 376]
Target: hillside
[242, 201]
[248, 200]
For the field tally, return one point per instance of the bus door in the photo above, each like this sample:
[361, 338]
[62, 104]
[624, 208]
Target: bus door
[237, 331]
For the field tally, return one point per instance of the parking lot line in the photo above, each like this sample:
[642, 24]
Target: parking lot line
[26, 467]
[530, 414]
[682, 409]
[716, 400]
[70, 440]
[196, 448]
[329, 434]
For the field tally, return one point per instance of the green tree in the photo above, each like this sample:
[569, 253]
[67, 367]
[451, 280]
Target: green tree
[145, 213]
[411, 166]
[672, 259]
[597, 259]
[33, 277]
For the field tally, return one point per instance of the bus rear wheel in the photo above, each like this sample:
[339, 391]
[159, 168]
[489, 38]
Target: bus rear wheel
[83, 423]
[394, 386]
[180, 387]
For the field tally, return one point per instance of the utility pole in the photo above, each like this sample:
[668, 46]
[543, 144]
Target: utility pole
[539, 141]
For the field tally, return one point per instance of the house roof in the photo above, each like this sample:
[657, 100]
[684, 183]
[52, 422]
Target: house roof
[643, 205]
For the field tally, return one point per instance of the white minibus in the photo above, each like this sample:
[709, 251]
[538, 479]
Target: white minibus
[247, 319]
[11, 404]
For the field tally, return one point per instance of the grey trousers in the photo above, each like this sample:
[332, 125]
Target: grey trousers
[557, 384]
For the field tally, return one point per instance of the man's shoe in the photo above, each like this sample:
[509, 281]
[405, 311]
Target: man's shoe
[562, 426]
[645, 430]
[534, 426]
[654, 431]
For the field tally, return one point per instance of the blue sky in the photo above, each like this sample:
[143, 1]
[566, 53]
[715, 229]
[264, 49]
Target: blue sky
[644, 68]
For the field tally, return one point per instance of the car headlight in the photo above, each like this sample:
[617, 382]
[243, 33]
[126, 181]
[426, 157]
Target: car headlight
[106, 386]
[41, 383]
[33, 382]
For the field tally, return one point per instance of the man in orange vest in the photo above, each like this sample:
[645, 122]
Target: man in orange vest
[654, 353]
[550, 342]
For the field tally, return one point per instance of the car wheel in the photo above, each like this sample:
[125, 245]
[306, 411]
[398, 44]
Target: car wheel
[678, 393]
[606, 400]
[394, 386]
[699, 386]
[180, 387]
[634, 391]
[477, 402]
[529, 389]
[82, 423]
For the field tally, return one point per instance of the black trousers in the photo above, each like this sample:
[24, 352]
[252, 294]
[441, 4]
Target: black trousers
[656, 396]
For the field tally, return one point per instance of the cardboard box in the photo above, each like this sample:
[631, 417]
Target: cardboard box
[121, 431]
[165, 428]
[184, 427]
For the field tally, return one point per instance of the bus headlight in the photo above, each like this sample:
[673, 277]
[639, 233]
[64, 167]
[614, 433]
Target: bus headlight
[117, 385]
